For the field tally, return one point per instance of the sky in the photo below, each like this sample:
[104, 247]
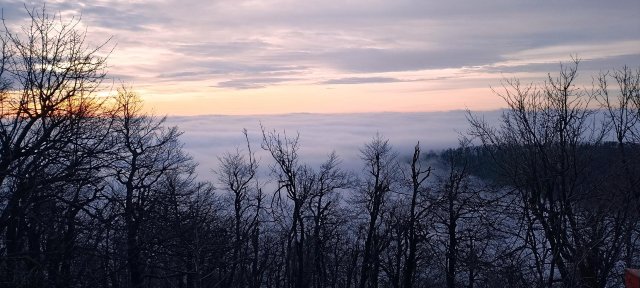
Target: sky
[236, 57]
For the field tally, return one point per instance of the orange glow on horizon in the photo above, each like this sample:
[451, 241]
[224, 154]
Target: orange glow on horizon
[321, 99]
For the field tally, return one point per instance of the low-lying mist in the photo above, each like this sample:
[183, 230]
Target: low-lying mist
[207, 137]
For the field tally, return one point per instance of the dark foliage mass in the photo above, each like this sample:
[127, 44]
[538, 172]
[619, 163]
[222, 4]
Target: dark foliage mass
[96, 193]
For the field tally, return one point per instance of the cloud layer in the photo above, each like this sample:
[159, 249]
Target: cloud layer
[208, 137]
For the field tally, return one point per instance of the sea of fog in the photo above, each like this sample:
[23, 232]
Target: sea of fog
[208, 137]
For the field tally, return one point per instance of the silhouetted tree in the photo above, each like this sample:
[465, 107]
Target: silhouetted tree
[547, 147]
[417, 211]
[291, 181]
[464, 217]
[323, 207]
[51, 135]
[237, 175]
[147, 153]
[381, 174]
[623, 117]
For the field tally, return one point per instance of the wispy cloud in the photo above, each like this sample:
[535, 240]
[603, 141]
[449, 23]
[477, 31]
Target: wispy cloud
[252, 83]
[362, 80]
[586, 51]
[370, 60]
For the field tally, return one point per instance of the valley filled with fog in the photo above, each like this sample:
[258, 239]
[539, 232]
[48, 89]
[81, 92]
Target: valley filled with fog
[208, 137]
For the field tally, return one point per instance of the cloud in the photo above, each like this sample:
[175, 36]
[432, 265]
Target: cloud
[217, 49]
[133, 17]
[258, 73]
[360, 36]
[587, 66]
[370, 60]
[207, 137]
[252, 83]
[362, 80]
[231, 42]
[590, 51]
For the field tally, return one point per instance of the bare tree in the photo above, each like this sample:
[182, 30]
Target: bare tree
[623, 119]
[418, 210]
[550, 134]
[291, 181]
[462, 207]
[381, 174]
[147, 152]
[237, 175]
[323, 206]
[50, 134]
[307, 206]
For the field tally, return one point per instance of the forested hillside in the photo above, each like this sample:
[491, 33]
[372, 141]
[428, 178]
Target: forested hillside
[94, 192]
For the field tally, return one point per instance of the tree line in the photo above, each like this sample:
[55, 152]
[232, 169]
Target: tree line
[94, 192]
